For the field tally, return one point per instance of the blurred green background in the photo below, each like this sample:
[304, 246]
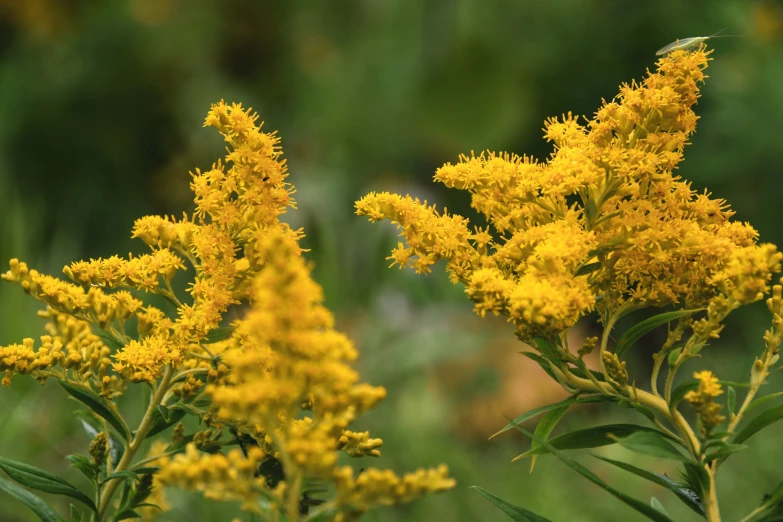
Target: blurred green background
[101, 106]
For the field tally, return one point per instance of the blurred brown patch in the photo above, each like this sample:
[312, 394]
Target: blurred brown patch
[499, 381]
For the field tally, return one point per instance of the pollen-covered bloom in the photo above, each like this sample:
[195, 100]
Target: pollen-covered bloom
[602, 223]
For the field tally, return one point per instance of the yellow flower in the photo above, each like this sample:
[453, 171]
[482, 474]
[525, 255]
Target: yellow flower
[280, 382]
[144, 360]
[604, 216]
[702, 400]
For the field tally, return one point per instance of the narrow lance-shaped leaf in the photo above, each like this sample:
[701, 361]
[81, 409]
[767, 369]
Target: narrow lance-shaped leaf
[731, 400]
[547, 348]
[219, 334]
[84, 465]
[32, 501]
[688, 496]
[518, 514]
[656, 505]
[41, 480]
[762, 421]
[758, 401]
[638, 505]
[545, 427]
[680, 391]
[98, 405]
[651, 443]
[724, 451]
[633, 334]
[76, 515]
[541, 361]
[589, 438]
[591, 399]
[163, 418]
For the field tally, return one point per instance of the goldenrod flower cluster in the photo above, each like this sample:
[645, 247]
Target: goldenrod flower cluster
[279, 382]
[602, 223]
[375, 487]
[605, 225]
[703, 402]
[220, 477]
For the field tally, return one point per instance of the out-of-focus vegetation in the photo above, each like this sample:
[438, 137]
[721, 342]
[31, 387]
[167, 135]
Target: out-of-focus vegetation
[101, 105]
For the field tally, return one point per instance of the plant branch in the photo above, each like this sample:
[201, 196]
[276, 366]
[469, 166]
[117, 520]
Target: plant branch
[135, 444]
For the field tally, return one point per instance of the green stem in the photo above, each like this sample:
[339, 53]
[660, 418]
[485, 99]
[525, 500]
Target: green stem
[135, 444]
[653, 402]
[658, 358]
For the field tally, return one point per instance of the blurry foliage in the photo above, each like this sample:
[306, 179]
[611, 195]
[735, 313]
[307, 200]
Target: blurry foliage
[100, 108]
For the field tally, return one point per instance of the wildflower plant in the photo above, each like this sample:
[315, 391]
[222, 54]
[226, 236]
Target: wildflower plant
[273, 392]
[605, 228]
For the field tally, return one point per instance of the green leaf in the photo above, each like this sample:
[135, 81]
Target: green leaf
[735, 384]
[679, 392]
[542, 362]
[591, 209]
[772, 501]
[637, 331]
[731, 400]
[760, 422]
[651, 443]
[547, 348]
[107, 339]
[147, 504]
[125, 514]
[763, 400]
[673, 356]
[41, 480]
[151, 470]
[588, 268]
[656, 505]
[83, 464]
[688, 496]
[590, 399]
[518, 514]
[724, 451]
[649, 475]
[122, 474]
[644, 410]
[580, 372]
[697, 477]
[76, 515]
[92, 426]
[589, 438]
[161, 423]
[545, 427]
[638, 505]
[32, 501]
[98, 405]
[218, 334]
